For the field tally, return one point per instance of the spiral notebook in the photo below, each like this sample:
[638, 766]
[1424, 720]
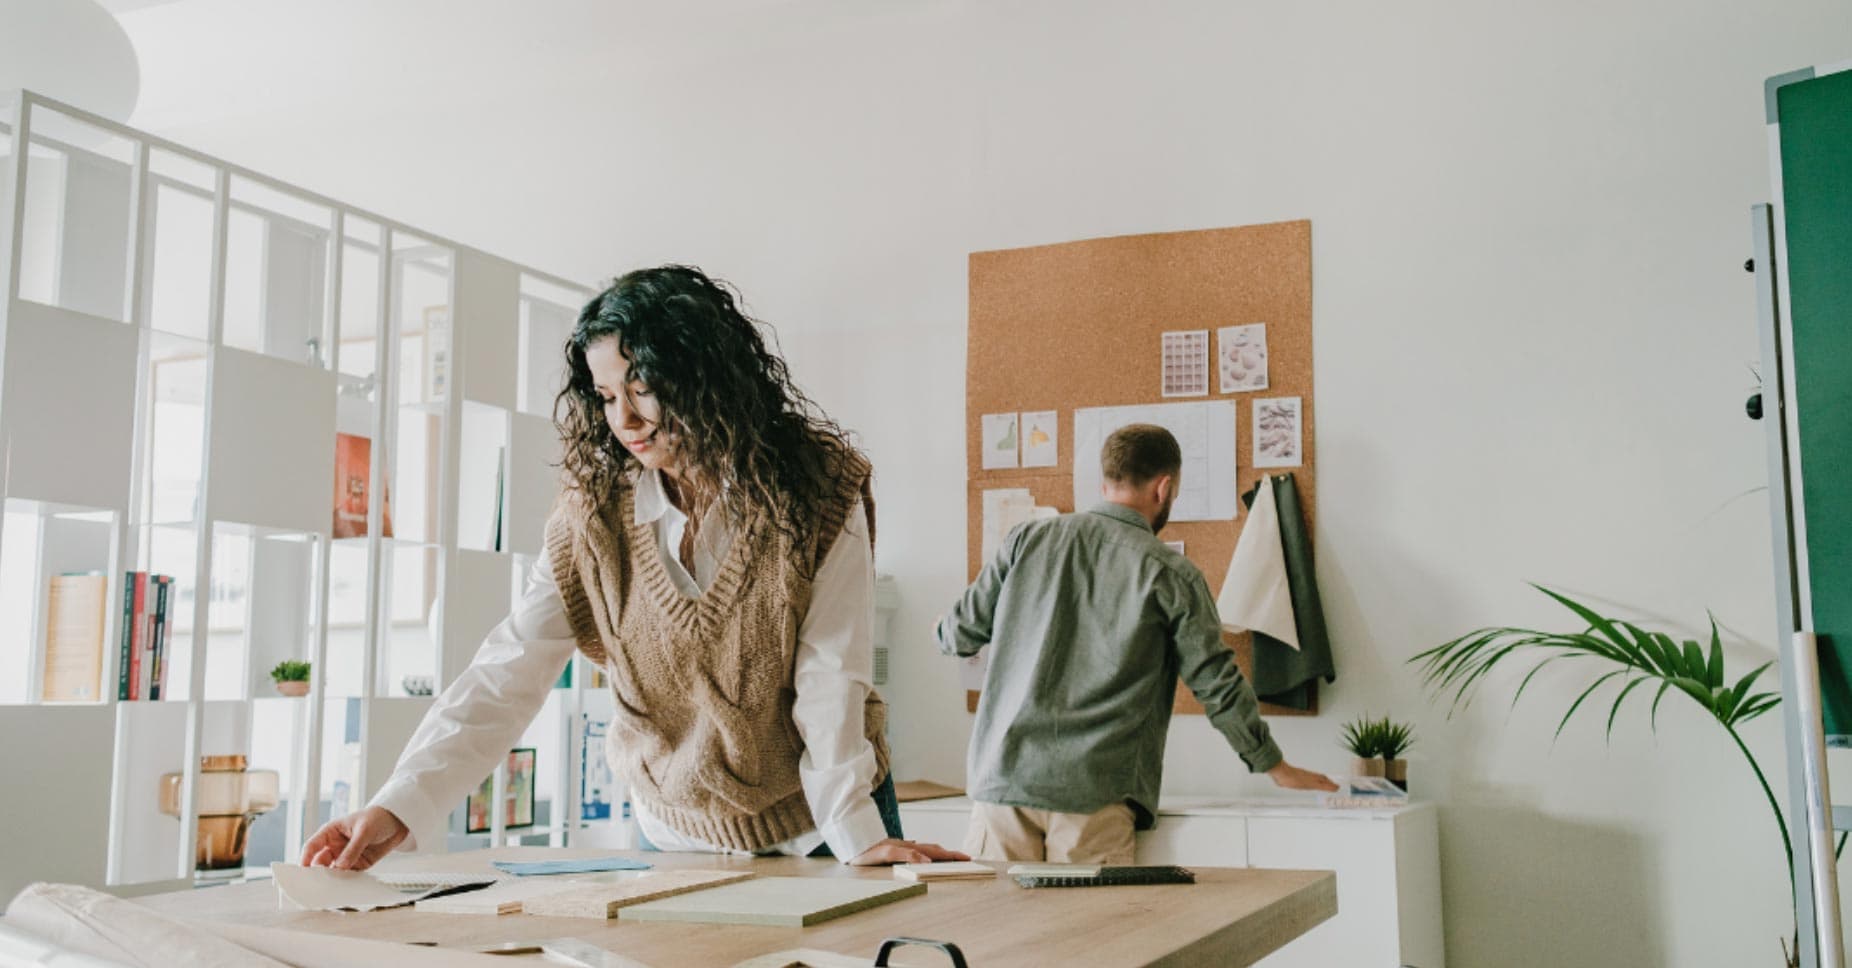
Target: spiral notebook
[1107, 877]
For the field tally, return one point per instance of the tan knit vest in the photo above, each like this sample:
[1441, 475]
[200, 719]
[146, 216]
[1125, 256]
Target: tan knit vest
[702, 729]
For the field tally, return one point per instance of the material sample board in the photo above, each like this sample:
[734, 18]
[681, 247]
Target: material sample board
[604, 900]
[789, 902]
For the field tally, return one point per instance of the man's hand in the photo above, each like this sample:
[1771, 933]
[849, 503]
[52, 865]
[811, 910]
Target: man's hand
[1289, 777]
[893, 851]
[355, 842]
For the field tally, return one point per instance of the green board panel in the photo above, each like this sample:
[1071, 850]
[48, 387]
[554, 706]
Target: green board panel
[1815, 118]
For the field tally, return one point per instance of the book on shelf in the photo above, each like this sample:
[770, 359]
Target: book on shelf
[137, 634]
[158, 661]
[76, 613]
[125, 672]
[148, 601]
[353, 473]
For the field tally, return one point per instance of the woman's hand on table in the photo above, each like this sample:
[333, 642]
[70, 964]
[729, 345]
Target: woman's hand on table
[355, 842]
[896, 851]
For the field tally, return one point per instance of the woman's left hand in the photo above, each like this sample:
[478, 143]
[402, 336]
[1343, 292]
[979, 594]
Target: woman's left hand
[896, 851]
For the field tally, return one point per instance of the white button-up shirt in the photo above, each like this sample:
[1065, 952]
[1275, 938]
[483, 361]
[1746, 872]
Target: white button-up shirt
[471, 726]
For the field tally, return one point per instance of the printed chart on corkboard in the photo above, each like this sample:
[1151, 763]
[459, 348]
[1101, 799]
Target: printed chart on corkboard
[1209, 332]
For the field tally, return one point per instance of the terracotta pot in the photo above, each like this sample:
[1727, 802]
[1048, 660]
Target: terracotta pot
[295, 687]
[1367, 766]
[1397, 773]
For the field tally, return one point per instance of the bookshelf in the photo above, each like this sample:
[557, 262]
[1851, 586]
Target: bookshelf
[182, 343]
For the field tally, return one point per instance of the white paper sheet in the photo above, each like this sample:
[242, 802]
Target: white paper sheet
[327, 889]
[1256, 594]
[1241, 357]
[1000, 443]
[113, 931]
[1041, 438]
[1206, 433]
[1278, 433]
[1004, 509]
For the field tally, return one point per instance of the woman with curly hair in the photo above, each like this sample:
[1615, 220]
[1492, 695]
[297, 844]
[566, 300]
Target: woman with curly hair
[712, 551]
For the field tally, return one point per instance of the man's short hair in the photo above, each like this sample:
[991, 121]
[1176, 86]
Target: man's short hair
[1136, 453]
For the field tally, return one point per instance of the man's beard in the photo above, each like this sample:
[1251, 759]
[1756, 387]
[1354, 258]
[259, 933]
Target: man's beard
[1163, 517]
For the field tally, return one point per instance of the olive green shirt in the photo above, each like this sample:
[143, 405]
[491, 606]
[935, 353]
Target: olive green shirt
[1090, 620]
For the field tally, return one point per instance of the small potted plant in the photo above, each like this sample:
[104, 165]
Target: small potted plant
[1378, 745]
[1363, 737]
[291, 678]
[1393, 741]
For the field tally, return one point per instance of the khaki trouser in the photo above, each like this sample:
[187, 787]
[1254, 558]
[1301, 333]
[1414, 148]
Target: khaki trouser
[999, 832]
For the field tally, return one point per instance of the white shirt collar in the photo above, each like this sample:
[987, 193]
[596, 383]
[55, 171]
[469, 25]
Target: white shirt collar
[652, 501]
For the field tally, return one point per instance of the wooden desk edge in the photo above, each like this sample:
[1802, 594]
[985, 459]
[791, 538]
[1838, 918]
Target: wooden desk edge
[1294, 915]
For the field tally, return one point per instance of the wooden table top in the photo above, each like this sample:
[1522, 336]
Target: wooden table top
[1229, 917]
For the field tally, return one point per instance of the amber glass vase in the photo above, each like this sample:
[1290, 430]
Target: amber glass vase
[229, 797]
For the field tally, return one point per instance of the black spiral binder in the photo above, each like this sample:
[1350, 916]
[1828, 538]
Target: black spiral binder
[1111, 877]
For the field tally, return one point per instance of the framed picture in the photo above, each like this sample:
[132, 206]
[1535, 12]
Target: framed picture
[518, 799]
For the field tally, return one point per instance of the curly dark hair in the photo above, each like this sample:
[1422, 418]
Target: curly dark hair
[724, 393]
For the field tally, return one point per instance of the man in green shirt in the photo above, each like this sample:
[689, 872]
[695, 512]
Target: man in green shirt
[1090, 620]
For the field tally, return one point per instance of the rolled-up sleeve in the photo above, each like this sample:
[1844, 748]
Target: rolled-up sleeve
[966, 629]
[470, 728]
[833, 672]
[1208, 667]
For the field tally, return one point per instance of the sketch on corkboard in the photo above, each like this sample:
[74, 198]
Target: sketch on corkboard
[1081, 325]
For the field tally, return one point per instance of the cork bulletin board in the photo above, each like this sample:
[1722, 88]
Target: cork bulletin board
[1081, 324]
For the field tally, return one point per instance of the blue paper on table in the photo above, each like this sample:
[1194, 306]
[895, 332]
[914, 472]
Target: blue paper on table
[586, 865]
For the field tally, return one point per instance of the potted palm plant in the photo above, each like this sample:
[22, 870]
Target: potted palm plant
[1632, 657]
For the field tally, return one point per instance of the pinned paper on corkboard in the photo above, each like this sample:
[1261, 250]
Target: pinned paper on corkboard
[1081, 325]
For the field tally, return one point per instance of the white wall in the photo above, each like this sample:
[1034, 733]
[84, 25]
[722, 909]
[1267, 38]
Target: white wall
[1533, 336]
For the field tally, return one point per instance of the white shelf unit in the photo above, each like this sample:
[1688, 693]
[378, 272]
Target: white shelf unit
[182, 341]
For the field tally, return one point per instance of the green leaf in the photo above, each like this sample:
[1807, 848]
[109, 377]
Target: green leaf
[1715, 674]
[1631, 686]
[1585, 694]
[1533, 672]
[1664, 685]
[1695, 690]
[1588, 615]
[1756, 706]
[1735, 701]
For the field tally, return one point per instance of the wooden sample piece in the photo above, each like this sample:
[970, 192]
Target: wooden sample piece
[907, 791]
[785, 902]
[502, 897]
[954, 870]
[604, 900]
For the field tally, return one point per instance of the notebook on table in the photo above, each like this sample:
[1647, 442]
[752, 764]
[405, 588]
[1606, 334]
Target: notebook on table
[1048, 876]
